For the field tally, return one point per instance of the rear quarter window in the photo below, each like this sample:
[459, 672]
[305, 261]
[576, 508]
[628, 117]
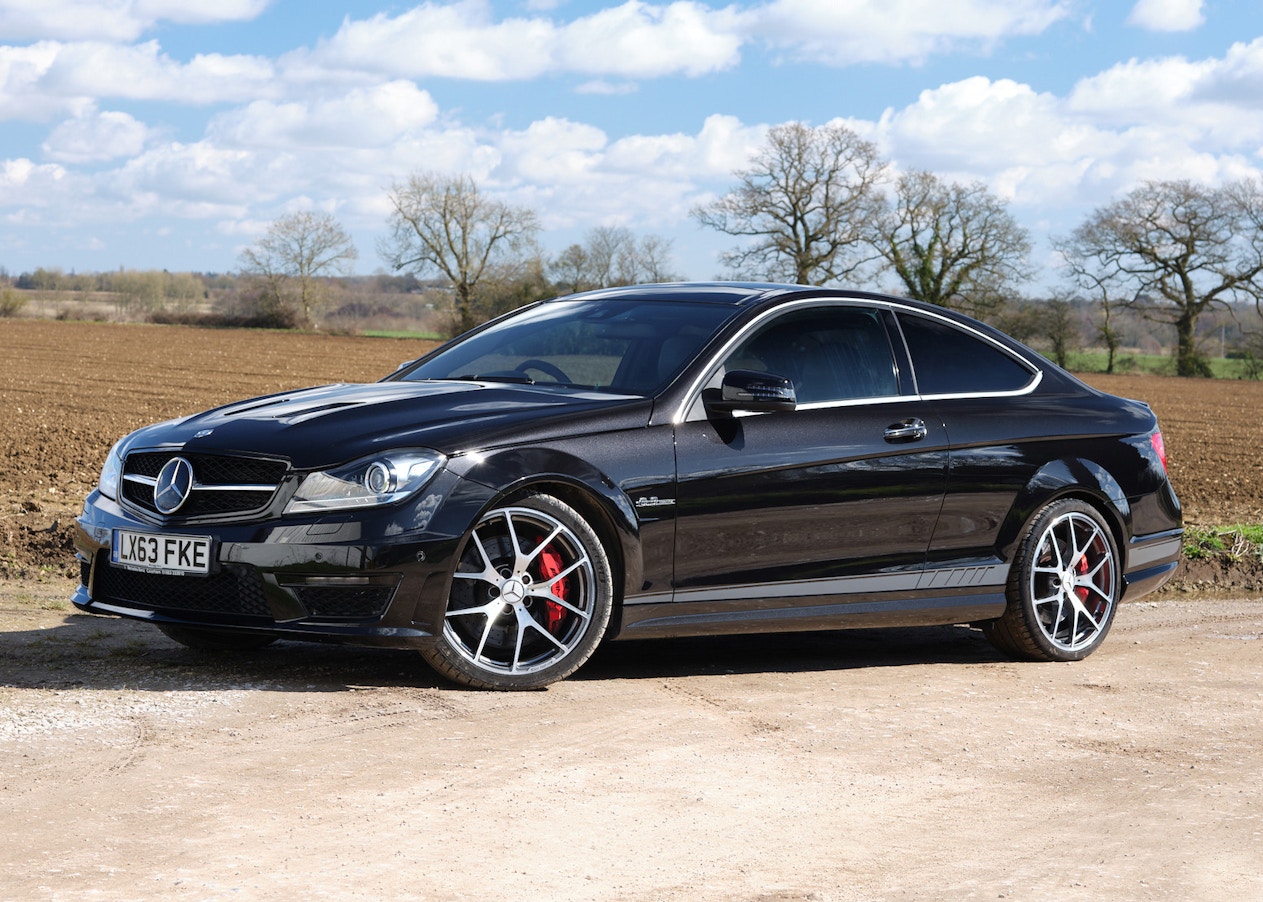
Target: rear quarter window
[951, 361]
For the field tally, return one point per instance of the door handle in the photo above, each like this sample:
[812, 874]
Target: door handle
[910, 430]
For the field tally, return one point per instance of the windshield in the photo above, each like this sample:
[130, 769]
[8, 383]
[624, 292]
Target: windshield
[624, 346]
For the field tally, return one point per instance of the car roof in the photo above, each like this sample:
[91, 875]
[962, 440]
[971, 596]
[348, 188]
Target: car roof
[749, 294]
[732, 293]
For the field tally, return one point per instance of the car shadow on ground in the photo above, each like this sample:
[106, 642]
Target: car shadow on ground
[798, 652]
[88, 652]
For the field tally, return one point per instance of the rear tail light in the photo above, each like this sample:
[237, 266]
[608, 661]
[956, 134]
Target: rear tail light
[1159, 447]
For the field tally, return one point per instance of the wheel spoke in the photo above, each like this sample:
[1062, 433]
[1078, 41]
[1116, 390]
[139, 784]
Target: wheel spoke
[517, 640]
[486, 632]
[530, 558]
[1061, 613]
[525, 620]
[518, 563]
[558, 600]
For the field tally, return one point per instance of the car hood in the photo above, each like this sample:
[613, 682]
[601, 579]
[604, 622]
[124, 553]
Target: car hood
[331, 424]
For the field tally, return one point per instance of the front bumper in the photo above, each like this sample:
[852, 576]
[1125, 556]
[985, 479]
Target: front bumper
[356, 580]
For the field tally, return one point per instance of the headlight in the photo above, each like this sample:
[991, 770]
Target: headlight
[111, 472]
[373, 481]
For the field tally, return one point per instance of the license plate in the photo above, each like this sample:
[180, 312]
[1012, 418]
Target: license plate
[161, 553]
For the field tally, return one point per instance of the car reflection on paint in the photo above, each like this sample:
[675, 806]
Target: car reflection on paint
[650, 461]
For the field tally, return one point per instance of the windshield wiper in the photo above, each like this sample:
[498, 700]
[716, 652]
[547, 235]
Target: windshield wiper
[512, 378]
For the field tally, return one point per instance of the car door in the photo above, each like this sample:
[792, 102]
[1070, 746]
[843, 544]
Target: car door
[830, 503]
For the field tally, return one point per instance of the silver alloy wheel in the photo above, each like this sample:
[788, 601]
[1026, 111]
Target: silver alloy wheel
[523, 594]
[1073, 583]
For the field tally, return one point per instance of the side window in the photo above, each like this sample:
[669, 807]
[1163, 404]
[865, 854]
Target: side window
[950, 361]
[830, 353]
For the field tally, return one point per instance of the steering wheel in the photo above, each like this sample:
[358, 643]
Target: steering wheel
[544, 367]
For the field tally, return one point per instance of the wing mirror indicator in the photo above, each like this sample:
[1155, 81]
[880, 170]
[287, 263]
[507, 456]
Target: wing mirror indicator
[751, 391]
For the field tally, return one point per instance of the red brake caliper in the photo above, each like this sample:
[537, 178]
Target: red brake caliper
[550, 566]
[1082, 567]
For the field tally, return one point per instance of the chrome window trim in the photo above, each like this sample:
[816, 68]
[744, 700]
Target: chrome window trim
[694, 393]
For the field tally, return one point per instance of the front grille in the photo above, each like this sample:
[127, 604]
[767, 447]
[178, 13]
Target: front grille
[211, 474]
[344, 602]
[234, 590]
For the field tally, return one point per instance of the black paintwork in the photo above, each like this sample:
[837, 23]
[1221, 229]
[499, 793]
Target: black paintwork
[799, 519]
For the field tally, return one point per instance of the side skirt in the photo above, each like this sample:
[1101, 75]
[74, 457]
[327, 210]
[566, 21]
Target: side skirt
[718, 617]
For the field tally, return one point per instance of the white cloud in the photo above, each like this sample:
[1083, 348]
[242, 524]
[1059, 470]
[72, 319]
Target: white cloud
[1212, 102]
[144, 72]
[606, 88]
[114, 20]
[463, 40]
[94, 137]
[48, 79]
[845, 32]
[22, 96]
[638, 39]
[363, 117]
[575, 175]
[22, 174]
[1167, 15]
[1039, 149]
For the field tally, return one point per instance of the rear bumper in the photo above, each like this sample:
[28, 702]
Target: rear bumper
[1151, 561]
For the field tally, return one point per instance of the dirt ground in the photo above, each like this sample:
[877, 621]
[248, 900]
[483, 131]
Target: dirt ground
[860, 765]
[883, 764]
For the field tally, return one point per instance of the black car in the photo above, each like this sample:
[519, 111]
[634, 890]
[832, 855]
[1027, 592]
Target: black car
[663, 460]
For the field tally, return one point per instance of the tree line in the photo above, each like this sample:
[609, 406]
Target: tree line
[817, 206]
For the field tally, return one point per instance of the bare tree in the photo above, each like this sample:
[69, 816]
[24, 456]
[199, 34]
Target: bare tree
[613, 255]
[1061, 327]
[445, 225]
[951, 244]
[1173, 250]
[805, 206]
[294, 258]
[1099, 290]
[646, 260]
[572, 270]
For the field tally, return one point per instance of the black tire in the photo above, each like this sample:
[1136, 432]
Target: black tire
[215, 640]
[1063, 588]
[529, 601]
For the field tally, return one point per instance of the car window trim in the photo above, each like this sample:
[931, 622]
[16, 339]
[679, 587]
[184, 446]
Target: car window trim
[695, 390]
[1037, 374]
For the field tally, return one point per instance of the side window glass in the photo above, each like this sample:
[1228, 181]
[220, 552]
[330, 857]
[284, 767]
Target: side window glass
[950, 361]
[830, 354]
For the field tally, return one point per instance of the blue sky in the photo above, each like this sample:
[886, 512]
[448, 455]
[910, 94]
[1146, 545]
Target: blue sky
[170, 133]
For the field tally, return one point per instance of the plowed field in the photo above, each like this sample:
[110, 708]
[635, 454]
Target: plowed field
[68, 390]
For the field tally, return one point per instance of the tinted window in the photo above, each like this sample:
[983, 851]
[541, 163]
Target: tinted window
[630, 347]
[830, 353]
[950, 361]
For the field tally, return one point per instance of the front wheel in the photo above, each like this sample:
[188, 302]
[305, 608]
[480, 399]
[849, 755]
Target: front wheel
[1063, 588]
[530, 598]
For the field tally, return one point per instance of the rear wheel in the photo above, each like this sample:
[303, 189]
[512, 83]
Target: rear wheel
[530, 598]
[215, 640]
[1063, 589]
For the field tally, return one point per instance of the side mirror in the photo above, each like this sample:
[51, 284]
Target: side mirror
[751, 391]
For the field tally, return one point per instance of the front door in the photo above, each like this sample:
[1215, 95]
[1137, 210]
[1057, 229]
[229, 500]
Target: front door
[832, 504]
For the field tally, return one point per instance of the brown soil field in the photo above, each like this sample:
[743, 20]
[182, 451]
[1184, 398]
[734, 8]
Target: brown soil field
[68, 390]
